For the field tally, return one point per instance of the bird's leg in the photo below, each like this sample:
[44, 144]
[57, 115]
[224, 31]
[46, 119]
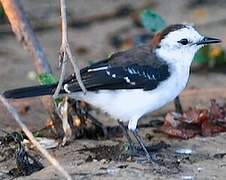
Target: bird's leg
[178, 105]
[126, 134]
[140, 141]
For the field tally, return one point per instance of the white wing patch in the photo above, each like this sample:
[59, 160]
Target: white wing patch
[98, 69]
[66, 88]
[108, 73]
[127, 79]
[146, 75]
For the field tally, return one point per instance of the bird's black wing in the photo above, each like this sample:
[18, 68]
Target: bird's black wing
[134, 69]
[137, 68]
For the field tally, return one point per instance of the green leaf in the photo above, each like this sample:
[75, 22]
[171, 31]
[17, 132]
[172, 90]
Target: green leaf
[47, 78]
[152, 21]
[202, 56]
[58, 100]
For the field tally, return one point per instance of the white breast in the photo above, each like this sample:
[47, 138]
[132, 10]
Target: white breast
[130, 105]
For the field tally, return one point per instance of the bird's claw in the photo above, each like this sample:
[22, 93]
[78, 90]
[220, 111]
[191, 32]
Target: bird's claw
[138, 154]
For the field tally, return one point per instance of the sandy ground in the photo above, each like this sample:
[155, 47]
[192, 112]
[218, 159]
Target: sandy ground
[204, 162]
[81, 157]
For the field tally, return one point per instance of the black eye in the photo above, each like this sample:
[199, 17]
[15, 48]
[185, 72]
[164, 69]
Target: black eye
[183, 41]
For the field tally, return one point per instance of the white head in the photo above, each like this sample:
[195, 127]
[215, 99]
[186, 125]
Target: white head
[178, 43]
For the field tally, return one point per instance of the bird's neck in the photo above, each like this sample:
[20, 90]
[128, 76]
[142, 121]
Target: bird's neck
[179, 66]
[175, 58]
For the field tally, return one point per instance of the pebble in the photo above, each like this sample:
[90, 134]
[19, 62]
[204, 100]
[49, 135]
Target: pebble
[187, 177]
[184, 151]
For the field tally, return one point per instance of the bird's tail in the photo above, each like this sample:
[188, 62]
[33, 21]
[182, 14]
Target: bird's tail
[32, 91]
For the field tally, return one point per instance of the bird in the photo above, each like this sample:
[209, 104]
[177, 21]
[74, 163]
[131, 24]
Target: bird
[134, 82]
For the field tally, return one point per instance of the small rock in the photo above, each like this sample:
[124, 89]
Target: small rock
[199, 169]
[103, 161]
[187, 177]
[184, 151]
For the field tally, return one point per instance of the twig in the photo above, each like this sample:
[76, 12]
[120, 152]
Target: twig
[28, 133]
[178, 106]
[66, 126]
[21, 26]
[66, 52]
[63, 70]
[76, 69]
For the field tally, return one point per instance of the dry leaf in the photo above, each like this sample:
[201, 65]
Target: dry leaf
[205, 122]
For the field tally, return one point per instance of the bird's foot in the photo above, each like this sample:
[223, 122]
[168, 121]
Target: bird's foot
[136, 150]
[147, 160]
[143, 149]
[132, 149]
[137, 153]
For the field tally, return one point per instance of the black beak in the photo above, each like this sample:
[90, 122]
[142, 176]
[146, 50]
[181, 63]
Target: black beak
[208, 40]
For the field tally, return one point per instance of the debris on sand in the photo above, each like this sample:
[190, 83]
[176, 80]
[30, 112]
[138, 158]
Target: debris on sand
[25, 162]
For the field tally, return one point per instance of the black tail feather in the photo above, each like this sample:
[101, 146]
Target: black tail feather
[32, 91]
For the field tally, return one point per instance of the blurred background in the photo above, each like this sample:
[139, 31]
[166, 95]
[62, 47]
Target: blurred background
[99, 27]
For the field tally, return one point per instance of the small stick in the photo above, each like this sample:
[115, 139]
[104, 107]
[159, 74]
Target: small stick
[64, 117]
[178, 106]
[45, 153]
[76, 70]
[66, 51]
[61, 80]
[22, 28]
